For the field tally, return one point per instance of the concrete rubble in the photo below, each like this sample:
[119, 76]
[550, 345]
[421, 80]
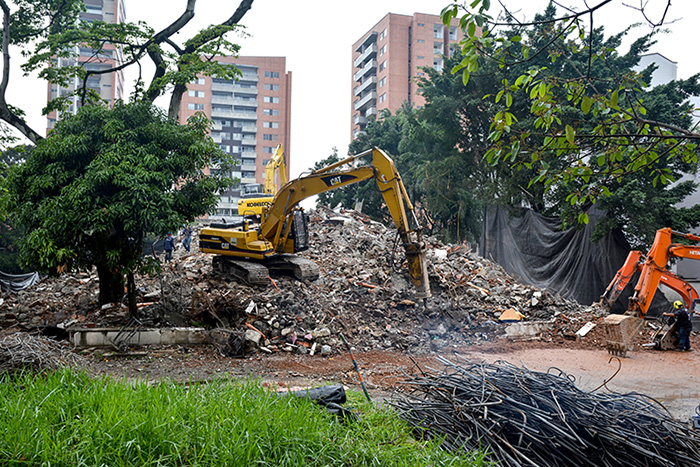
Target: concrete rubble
[358, 294]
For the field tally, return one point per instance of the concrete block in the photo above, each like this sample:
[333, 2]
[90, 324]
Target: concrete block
[527, 330]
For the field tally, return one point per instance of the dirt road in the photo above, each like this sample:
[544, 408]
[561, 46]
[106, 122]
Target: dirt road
[672, 378]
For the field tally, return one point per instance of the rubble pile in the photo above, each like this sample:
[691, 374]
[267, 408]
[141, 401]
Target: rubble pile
[358, 294]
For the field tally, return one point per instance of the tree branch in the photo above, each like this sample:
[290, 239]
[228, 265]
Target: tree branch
[6, 113]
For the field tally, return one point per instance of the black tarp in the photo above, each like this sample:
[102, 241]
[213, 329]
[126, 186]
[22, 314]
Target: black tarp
[534, 249]
[10, 283]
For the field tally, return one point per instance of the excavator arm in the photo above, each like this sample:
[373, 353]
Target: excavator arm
[277, 219]
[276, 164]
[653, 271]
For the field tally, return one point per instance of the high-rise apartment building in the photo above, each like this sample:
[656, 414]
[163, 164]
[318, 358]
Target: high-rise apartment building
[110, 86]
[251, 116]
[388, 58]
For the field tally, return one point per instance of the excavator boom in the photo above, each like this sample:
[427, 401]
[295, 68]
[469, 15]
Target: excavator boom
[282, 229]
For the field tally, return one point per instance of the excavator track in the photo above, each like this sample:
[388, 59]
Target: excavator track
[258, 273]
[301, 268]
[248, 271]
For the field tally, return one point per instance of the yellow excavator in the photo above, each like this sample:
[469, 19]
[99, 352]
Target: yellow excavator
[258, 196]
[250, 250]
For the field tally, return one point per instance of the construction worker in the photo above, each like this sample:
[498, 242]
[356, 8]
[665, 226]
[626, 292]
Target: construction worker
[685, 326]
[168, 245]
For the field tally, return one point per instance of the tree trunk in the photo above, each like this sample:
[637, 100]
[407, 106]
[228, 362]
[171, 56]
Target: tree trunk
[111, 285]
[131, 293]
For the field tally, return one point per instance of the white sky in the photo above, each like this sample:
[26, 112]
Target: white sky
[316, 36]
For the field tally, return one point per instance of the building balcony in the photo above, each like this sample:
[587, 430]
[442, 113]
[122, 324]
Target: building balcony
[370, 66]
[371, 111]
[366, 101]
[221, 113]
[360, 120]
[231, 100]
[370, 52]
[371, 37]
[247, 168]
[372, 81]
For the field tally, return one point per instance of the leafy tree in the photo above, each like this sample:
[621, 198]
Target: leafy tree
[589, 133]
[90, 192]
[45, 30]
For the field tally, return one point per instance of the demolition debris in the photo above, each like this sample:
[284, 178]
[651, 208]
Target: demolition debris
[358, 294]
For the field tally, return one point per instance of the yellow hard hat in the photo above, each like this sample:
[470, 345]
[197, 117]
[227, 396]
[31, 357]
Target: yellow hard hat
[677, 304]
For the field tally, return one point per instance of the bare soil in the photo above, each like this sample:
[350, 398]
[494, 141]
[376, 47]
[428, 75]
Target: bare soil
[671, 378]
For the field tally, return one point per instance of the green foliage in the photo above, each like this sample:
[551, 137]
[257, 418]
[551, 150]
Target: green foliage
[104, 178]
[66, 418]
[570, 110]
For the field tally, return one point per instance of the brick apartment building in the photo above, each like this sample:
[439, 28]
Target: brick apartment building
[251, 116]
[110, 86]
[388, 58]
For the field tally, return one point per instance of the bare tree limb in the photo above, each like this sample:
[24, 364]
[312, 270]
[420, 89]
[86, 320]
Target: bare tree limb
[197, 41]
[6, 113]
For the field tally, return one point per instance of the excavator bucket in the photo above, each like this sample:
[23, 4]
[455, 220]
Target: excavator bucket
[621, 331]
[418, 268]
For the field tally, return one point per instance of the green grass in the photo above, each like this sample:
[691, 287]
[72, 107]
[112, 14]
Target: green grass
[70, 419]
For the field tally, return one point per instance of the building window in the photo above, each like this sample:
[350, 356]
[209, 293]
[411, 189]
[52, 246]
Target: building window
[382, 82]
[382, 34]
[382, 51]
[195, 106]
[421, 24]
[382, 66]
[271, 100]
[93, 9]
[382, 98]
[420, 41]
[271, 125]
[270, 137]
[453, 33]
[420, 57]
[200, 81]
[268, 149]
[437, 48]
[272, 74]
[196, 93]
[225, 147]
[272, 87]
[420, 73]
[437, 31]
[273, 112]
[437, 64]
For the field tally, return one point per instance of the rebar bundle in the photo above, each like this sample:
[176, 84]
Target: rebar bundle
[21, 351]
[524, 417]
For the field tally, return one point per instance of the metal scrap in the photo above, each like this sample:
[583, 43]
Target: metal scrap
[532, 418]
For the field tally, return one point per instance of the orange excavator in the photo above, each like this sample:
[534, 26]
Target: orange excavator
[652, 268]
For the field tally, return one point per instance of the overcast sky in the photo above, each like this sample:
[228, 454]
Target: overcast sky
[316, 36]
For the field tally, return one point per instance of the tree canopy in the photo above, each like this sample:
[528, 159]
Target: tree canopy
[46, 30]
[90, 192]
[588, 132]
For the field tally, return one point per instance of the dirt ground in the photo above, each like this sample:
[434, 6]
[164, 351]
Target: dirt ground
[672, 378]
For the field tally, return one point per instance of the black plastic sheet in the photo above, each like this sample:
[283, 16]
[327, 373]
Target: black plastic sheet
[535, 249]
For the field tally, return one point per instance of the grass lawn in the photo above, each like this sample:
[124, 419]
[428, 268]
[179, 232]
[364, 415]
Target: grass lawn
[68, 418]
